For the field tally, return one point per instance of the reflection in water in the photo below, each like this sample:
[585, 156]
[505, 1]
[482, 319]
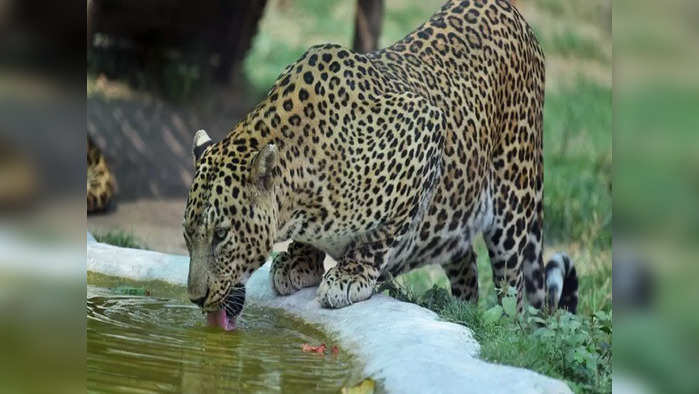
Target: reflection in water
[145, 344]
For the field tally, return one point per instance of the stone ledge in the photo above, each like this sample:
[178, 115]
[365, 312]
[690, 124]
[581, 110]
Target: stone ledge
[404, 346]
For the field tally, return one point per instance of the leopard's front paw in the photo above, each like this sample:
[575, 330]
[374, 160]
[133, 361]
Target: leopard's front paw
[291, 273]
[346, 284]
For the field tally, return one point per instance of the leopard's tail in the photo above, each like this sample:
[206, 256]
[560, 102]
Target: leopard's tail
[561, 283]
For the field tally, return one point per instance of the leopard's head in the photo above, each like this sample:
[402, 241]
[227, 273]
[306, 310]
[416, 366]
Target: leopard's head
[229, 222]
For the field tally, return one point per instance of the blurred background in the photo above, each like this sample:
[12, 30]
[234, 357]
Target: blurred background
[656, 196]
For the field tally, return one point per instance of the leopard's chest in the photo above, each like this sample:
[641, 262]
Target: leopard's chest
[334, 242]
[334, 247]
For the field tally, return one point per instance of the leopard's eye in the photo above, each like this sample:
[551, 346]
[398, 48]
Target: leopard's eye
[221, 234]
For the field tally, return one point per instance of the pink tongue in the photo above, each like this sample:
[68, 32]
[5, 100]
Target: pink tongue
[219, 319]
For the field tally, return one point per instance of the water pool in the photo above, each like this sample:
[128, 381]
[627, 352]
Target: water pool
[159, 342]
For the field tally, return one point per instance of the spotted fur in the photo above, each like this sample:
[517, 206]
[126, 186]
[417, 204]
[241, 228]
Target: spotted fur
[385, 161]
[100, 181]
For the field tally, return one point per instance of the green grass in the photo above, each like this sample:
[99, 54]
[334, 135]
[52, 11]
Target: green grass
[571, 44]
[657, 194]
[285, 33]
[574, 348]
[119, 238]
[593, 266]
[269, 57]
[554, 7]
[578, 164]
[573, 29]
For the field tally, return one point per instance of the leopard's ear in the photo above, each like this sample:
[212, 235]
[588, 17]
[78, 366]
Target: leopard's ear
[201, 142]
[262, 167]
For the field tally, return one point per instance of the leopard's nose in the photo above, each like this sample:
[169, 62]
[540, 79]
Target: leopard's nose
[200, 301]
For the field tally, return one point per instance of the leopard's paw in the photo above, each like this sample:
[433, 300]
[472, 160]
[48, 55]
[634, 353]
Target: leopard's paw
[345, 285]
[290, 273]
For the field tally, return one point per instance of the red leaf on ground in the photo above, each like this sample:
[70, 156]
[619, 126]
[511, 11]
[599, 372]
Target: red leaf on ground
[320, 349]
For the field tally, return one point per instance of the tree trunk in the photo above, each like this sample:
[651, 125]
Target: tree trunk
[367, 25]
[200, 29]
[236, 35]
[91, 12]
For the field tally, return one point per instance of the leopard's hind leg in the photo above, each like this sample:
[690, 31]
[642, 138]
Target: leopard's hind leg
[463, 276]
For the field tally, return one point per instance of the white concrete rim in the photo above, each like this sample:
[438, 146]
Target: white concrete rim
[404, 346]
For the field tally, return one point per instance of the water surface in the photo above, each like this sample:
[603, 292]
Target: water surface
[138, 343]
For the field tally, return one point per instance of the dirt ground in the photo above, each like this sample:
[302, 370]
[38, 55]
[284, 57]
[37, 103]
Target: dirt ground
[156, 223]
[147, 143]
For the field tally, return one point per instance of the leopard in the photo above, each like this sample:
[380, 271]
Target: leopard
[385, 161]
[101, 183]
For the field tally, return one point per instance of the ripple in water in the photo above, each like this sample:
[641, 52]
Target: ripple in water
[145, 344]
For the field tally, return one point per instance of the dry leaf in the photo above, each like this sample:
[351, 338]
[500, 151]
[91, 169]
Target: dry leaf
[313, 349]
[366, 387]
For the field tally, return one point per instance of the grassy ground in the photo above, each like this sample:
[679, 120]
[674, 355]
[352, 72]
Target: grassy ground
[575, 348]
[119, 238]
[576, 36]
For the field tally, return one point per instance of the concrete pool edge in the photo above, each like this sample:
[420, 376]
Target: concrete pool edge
[403, 345]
